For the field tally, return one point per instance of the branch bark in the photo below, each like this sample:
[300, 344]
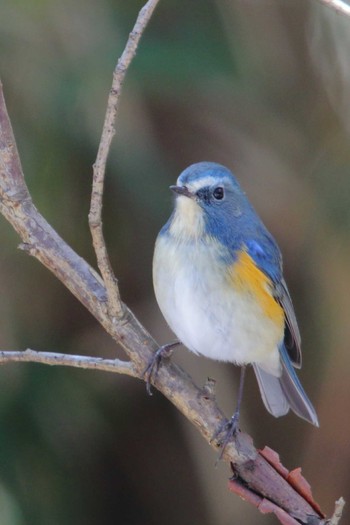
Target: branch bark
[257, 474]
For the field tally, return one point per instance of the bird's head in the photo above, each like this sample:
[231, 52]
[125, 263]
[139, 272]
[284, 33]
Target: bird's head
[207, 197]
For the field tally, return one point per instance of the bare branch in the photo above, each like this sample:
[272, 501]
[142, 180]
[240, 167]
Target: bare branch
[115, 306]
[338, 5]
[78, 361]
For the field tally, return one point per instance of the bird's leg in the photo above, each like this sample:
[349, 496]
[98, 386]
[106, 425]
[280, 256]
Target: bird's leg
[152, 367]
[230, 428]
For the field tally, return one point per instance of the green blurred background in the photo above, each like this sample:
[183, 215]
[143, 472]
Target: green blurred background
[260, 86]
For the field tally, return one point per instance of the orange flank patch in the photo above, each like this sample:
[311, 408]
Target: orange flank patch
[248, 279]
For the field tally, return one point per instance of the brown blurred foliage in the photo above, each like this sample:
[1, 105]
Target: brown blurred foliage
[262, 87]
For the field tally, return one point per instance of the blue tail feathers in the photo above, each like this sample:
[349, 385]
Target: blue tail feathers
[279, 394]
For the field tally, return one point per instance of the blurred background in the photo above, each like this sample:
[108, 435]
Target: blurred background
[262, 87]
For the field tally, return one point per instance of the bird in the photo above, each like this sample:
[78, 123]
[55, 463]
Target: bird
[218, 280]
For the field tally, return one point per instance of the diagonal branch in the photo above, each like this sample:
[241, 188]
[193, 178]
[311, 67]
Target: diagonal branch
[115, 306]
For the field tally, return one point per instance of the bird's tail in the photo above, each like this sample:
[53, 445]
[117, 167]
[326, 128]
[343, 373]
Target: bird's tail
[279, 394]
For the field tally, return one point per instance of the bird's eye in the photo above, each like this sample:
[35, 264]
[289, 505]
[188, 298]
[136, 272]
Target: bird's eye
[218, 193]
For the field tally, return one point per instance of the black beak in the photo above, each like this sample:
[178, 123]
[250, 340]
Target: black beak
[182, 190]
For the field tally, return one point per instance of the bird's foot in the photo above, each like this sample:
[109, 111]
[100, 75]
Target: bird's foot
[228, 429]
[151, 370]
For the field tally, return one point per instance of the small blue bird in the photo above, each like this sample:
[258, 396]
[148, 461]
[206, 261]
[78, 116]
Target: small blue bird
[218, 280]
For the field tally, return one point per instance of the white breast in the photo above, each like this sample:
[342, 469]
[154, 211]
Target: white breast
[207, 315]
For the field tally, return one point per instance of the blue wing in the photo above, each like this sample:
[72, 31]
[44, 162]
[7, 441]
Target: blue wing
[267, 256]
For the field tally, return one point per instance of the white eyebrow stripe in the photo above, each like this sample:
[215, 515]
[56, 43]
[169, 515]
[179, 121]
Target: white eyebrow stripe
[195, 185]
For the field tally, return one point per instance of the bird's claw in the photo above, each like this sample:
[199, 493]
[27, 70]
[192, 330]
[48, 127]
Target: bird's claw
[229, 429]
[151, 371]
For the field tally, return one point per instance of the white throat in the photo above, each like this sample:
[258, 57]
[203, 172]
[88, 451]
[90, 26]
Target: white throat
[188, 219]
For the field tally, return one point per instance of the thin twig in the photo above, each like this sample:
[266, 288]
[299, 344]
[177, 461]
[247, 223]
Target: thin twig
[116, 366]
[115, 306]
[338, 511]
[338, 5]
